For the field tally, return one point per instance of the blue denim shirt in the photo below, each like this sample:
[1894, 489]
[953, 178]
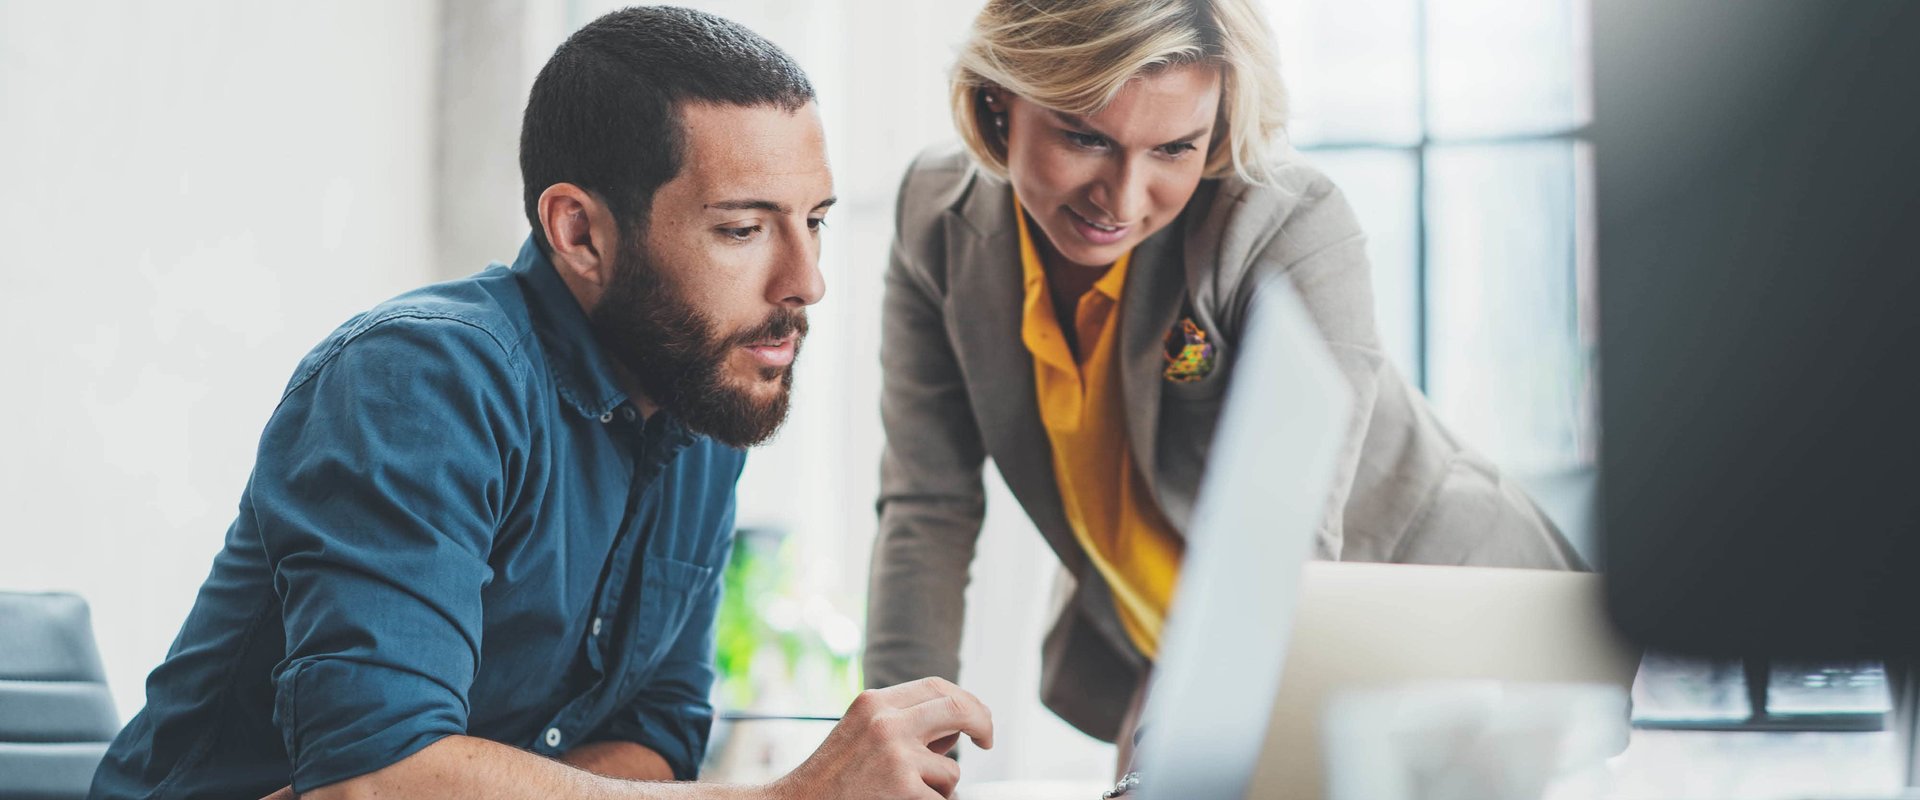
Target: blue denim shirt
[456, 524]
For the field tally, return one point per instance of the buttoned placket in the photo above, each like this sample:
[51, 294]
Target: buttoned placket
[622, 423]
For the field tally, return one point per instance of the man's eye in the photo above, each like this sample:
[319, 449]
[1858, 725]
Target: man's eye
[741, 234]
[1086, 141]
[816, 224]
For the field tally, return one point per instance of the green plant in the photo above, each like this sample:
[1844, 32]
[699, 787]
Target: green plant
[769, 639]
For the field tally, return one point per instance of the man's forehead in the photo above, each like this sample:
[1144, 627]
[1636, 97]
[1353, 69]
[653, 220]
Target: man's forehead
[732, 149]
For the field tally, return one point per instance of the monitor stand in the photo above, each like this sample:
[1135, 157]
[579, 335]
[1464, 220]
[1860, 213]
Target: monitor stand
[1759, 679]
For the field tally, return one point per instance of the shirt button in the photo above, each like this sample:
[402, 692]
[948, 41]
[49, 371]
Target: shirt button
[553, 737]
[628, 413]
[607, 417]
[596, 626]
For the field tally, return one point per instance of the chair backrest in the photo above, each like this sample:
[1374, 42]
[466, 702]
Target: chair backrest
[56, 715]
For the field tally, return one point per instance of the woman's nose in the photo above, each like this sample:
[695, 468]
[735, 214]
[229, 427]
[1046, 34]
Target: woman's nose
[1122, 195]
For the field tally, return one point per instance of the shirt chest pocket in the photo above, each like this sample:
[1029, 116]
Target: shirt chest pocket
[670, 592]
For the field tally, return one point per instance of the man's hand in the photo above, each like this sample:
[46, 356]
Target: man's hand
[893, 743]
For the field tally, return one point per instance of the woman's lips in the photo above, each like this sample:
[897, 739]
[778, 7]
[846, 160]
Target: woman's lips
[777, 353]
[1094, 233]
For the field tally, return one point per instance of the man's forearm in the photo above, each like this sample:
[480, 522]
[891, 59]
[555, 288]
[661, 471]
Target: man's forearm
[461, 767]
[624, 760]
[892, 743]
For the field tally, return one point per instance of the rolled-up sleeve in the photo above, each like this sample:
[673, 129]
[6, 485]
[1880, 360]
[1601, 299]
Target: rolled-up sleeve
[378, 487]
[672, 715]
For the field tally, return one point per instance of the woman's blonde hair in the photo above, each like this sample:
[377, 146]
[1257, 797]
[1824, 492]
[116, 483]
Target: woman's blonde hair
[1074, 56]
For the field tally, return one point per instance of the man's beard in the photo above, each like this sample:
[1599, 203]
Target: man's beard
[679, 358]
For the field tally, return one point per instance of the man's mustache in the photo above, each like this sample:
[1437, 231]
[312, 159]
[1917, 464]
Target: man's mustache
[779, 325]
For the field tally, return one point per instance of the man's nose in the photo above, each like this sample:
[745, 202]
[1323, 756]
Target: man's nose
[797, 280]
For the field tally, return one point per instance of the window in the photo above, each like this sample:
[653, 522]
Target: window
[1456, 129]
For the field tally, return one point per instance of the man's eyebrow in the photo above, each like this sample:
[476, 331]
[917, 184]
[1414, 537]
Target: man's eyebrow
[750, 205]
[1073, 121]
[765, 205]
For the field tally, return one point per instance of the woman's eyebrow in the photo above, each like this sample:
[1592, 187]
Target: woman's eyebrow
[1073, 121]
[1197, 133]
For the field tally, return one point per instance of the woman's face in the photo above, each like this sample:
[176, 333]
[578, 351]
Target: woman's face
[1099, 185]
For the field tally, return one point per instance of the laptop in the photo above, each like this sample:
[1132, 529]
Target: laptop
[1259, 639]
[1378, 626]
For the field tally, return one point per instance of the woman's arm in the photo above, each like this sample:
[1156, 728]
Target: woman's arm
[931, 497]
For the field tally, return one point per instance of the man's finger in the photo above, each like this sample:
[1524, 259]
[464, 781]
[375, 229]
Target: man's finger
[950, 714]
[944, 744]
[940, 773]
[913, 693]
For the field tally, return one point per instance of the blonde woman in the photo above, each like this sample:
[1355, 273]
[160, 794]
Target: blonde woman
[1066, 295]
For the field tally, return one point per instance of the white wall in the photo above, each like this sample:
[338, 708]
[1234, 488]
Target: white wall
[192, 194]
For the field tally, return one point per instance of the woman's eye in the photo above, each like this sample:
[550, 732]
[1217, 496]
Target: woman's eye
[740, 234]
[1085, 140]
[1178, 149]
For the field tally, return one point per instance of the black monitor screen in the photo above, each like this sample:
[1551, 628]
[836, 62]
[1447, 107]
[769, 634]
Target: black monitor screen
[1757, 168]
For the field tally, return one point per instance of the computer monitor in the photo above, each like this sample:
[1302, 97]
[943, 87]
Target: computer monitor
[1757, 170]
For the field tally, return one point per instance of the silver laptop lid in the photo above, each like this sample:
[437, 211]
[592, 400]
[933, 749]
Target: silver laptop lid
[1263, 497]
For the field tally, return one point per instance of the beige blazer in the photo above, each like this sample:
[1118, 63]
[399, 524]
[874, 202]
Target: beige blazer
[959, 388]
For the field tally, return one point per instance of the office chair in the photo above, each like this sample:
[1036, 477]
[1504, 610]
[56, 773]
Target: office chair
[56, 716]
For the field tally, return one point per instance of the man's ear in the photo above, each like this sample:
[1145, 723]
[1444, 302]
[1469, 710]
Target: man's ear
[583, 238]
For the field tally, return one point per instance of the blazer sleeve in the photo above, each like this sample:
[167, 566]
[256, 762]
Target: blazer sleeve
[1406, 490]
[932, 499]
[1321, 251]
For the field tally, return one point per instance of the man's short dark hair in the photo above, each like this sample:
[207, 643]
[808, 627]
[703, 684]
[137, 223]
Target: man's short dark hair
[604, 111]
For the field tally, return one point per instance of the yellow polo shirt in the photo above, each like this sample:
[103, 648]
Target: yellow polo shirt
[1109, 508]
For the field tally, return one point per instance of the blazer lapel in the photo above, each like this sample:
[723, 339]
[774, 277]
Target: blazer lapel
[985, 300]
[1155, 292]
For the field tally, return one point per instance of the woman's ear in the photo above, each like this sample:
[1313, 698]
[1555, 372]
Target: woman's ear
[993, 100]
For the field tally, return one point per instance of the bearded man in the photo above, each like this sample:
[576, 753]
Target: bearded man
[480, 551]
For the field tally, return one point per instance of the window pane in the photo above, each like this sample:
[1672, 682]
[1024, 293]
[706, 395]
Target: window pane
[1351, 68]
[1384, 189]
[1501, 68]
[1510, 363]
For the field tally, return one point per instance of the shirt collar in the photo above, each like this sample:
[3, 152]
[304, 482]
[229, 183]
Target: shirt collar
[580, 366]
